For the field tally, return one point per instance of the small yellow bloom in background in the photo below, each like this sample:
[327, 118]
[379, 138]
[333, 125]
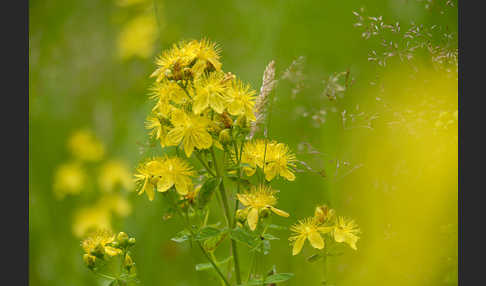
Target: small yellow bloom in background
[137, 37]
[346, 230]
[69, 179]
[190, 131]
[258, 199]
[310, 229]
[91, 218]
[97, 244]
[85, 146]
[276, 157]
[126, 3]
[210, 91]
[114, 174]
[241, 100]
[115, 203]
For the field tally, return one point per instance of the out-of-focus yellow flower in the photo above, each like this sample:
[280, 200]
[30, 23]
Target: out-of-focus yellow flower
[310, 229]
[98, 244]
[190, 131]
[91, 218]
[85, 146]
[137, 37]
[241, 100]
[346, 230]
[126, 3]
[274, 158]
[69, 178]
[115, 174]
[210, 91]
[187, 60]
[258, 199]
[115, 203]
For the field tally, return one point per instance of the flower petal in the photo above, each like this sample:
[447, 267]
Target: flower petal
[279, 212]
[252, 218]
[316, 240]
[299, 243]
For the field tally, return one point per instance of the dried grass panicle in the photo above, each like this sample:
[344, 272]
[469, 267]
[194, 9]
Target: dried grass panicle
[260, 108]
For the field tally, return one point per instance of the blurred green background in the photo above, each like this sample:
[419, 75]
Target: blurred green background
[90, 63]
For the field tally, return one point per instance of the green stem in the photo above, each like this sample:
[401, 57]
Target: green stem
[198, 156]
[224, 198]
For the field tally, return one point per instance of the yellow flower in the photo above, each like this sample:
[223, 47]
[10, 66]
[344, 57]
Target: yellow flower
[69, 179]
[175, 172]
[91, 218]
[147, 177]
[167, 92]
[258, 199]
[241, 100]
[114, 174]
[346, 230]
[210, 91]
[275, 159]
[159, 129]
[190, 130]
[99, 242]
[85, 146]
[207, 55]
[137, 37]
[162, 174]
[309, 229]
[173, 64]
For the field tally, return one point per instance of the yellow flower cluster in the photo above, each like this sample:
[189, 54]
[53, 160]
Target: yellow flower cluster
[103, 244]
[194, 98]
[275, 159]
[161, 173]
[258, 200]
[324, 222]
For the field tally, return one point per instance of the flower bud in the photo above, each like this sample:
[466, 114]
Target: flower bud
[131, 241]
[225, 136]
[241, 215]
[89, 260]
[226, 119]
[323, 213]
[128, 262]
[122, 237]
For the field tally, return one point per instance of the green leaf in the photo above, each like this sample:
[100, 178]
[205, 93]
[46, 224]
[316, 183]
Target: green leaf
[279, 277]
[243, 236]
[207, 232]
[275, 278]
[181, 236]
[269, 236]
[314, 258]
[207, 190]
[206, 266]
[276, 227]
